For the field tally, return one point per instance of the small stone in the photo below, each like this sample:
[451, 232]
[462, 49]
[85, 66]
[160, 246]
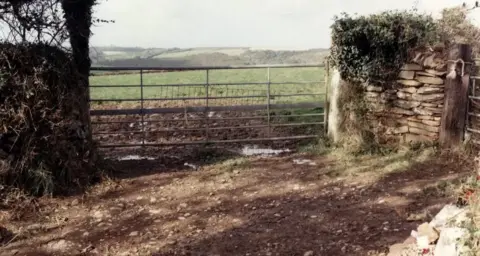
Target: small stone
[187, 214]
[428, 97]
[426, 117]
[409, 89]
[419, 131]
[435, 72]
[172, 242]
[372, 88]
[133, 233]
[429, 61]
[425, 74]
[97, 215]
[60, 245]
[401, 111]
[412, 83]
[75, 202]
[406, 104]
[436, 110]
[372, 94]
[153, 200]
[308, 253]
[424, 126]
[429, 90]
[183, 205]
[431, 122]
[428, 105]
[417, 217]
[396, 249]
[400, 130]
[139, 198]
[429, 80]
[422, 111]
[406, 74]
[403, 95]
[412, 67]
[181, 218]
[441, 86]
[426, 230]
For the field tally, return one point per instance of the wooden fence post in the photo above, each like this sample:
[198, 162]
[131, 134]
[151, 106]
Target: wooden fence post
[454, 113]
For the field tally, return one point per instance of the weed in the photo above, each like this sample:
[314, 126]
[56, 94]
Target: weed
[235, 164]
[469, 194]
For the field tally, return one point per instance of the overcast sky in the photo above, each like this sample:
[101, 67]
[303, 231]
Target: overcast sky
[287, 24]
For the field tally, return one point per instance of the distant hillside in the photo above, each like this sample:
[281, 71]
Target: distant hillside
[215, 56]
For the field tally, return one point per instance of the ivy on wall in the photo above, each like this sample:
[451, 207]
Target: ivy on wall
[374, 48]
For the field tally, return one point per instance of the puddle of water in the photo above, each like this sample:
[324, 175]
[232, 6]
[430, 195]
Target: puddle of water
[255, 150]
[135, 157]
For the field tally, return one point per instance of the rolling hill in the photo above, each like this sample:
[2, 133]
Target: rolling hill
[212, 56]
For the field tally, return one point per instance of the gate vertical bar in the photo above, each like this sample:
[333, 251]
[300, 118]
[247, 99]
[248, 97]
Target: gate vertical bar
[473, 87]
[326, 108]
[207, 95]
[472, 93]
[268, 102]
[142, 112]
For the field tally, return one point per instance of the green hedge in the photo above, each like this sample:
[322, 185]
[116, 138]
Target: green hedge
[373, 48]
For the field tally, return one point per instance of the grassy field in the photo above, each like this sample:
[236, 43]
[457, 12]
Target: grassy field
[170, 80]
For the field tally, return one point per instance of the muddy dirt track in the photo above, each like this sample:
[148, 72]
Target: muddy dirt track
[245, 206]
[192, 127]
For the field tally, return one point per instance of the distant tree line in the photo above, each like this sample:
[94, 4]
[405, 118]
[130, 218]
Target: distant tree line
[249, 57]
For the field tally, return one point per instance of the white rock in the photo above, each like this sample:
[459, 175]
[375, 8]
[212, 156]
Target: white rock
[97, 215]
[309, 253]
[60, 245]
[423, 242]
[304, 161]
[447, 244]
[426, 230]
[450, 214]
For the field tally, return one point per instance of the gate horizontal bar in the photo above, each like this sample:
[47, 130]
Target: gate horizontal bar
[113, 112]
[210, 128]
[202, 84]
[186, 143]
[183, 98]
[203, 119]
[184, 68]
[473, 114]
[473, 130]
[210, 97]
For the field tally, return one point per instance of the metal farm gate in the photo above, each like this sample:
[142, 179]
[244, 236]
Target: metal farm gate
[472, 133]
[133, 106]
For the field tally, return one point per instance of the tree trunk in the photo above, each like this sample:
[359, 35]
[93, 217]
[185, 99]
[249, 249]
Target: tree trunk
[78, 18]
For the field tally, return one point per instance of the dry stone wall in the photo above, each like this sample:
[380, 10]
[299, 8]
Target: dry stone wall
[410, 109]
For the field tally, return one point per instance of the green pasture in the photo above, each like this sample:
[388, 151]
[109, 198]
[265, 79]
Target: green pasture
[171, 79]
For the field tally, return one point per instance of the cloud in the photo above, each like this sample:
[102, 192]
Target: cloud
[256, 23]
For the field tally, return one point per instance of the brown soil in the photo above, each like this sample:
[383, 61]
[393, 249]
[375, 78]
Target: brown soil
[178, 128]
[244, 206]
